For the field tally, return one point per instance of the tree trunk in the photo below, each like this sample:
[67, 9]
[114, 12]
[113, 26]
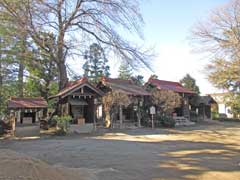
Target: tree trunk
[108, 120]
[20, 79]
[63, 79]
[23, 40]
[1, 73]
[121, 116]
[1, 77]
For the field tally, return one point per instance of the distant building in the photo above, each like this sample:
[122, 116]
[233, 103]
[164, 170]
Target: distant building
[176, 87]
[222, 107]
[201, 107]
[27, 110]
[130, 114]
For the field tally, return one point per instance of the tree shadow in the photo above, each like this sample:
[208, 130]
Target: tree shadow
[206, 153]
[198, 160]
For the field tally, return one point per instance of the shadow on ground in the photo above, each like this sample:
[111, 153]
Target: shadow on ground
[208, 152]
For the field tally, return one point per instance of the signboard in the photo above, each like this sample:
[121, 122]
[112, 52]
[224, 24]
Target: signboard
[152, 110]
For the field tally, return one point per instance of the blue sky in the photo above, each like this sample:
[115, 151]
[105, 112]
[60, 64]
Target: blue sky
[167, 25]
[169, 21]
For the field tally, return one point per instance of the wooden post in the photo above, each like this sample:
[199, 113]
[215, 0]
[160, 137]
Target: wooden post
[152, 112]
[120, 116]
[36, 116]
[203, 112]
[152, 122]
[94, 117]
[18, 115]
[94, 114]
[139, 117]
[94, 121]
[13, 123]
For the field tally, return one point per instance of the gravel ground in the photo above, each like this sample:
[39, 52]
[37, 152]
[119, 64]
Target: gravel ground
[204, 151]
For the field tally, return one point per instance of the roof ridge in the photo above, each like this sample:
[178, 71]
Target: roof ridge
[176, 82]
[169, 85]
[36, 98]
[107, 79]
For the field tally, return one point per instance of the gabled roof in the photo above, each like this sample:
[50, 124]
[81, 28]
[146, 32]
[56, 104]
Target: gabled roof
[206, 100]
[27, 103]
[125, 86]
[73, 86]
[169, 85]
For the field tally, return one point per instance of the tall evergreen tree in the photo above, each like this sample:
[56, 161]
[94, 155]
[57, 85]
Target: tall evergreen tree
[125, 71]
[138, 80]
[95, 66]
[190, 83]
[92, 20]
[8, 77]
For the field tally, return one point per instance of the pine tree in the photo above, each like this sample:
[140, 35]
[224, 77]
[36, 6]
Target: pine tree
[125, 71]
[95, 66]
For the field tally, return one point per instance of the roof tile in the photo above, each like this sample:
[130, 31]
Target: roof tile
[169, 85]
[125, 86]
[39, 102]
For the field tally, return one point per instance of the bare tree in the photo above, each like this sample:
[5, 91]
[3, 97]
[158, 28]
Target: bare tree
[220, 34]
[113, 101]
[76, 24]
[165, 101]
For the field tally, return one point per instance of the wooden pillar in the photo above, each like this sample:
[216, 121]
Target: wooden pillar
[120, 116]
[37, 116]
[13, 122]
[139, 117]
[203, 112]
[94, 116]
[18, 115]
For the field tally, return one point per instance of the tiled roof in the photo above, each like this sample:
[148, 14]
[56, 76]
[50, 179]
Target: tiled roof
[15, 103]
[125, 86]
[73, 85]
[169, 85]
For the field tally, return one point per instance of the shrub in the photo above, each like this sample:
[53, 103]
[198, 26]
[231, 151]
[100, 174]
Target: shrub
[215, 115]
[145, 119]
[165, 121]
[62, 124]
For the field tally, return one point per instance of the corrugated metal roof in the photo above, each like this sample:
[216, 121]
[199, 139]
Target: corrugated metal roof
[125, 86]
[169, 85]
[33, 103]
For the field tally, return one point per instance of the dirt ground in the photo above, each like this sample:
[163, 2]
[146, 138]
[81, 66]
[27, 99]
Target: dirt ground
[204, 152]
